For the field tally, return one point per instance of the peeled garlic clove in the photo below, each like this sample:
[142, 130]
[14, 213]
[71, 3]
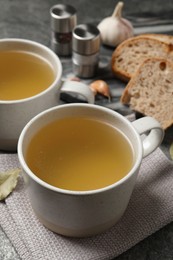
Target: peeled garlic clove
[101, 87]
[8, 181]
[115, 29]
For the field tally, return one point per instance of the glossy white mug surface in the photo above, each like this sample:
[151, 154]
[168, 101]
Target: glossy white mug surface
[86, 213]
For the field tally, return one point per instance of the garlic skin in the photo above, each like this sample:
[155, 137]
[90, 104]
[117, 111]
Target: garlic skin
[115, 29]
[100, 87]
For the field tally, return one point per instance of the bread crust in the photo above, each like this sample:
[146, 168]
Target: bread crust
[161, 37]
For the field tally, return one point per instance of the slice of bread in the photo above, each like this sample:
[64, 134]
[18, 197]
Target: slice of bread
[150, 91]
[130, 54]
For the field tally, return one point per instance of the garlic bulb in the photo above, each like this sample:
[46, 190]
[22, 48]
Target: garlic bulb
[115, 29]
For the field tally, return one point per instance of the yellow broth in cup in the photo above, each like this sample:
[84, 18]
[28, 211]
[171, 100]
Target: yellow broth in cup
[79, 154]
[23, 74]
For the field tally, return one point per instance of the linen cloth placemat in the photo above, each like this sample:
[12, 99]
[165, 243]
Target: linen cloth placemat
[150, 208]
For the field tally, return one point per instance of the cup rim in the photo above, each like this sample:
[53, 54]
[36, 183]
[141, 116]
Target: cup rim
[73, 192]
[50, 52]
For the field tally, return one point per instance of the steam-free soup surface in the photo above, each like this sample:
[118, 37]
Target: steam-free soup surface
[79, 154]
[23, 74]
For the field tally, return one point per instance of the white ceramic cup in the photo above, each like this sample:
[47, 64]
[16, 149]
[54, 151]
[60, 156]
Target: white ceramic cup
[16, 113]
[86, 213]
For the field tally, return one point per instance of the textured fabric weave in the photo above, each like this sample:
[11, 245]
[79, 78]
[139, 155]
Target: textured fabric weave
[150, 208]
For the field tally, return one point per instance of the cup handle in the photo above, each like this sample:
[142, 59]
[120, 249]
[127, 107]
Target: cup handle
[78, 88]
[153, 133]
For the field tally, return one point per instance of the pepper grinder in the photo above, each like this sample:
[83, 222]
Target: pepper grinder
[63, 20]
[85, 50]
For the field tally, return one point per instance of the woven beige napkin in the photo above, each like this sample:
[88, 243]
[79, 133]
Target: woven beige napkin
[150, 208]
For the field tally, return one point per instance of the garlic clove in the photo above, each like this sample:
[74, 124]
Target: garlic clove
[100, 87]
[115, 29]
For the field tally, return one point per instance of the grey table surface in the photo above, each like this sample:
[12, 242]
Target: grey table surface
[31, 20]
